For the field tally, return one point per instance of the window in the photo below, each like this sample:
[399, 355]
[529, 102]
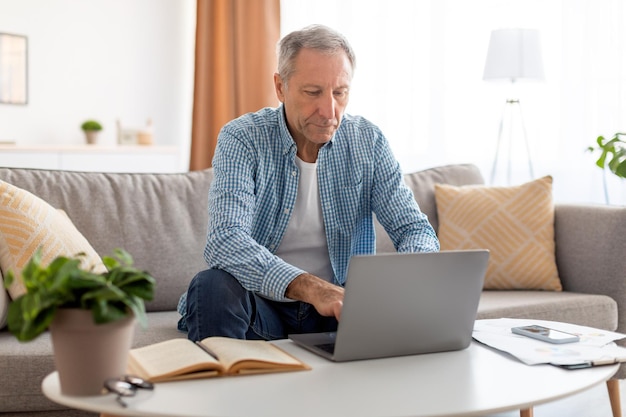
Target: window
[419, 77]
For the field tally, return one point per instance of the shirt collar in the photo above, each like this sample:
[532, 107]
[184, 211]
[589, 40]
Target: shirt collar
[289, 145]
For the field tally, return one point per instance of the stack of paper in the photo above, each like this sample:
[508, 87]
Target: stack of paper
[596, 347]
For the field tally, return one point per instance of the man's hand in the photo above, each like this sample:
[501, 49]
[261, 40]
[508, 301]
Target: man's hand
[327, 298]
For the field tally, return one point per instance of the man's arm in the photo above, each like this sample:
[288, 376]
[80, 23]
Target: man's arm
[396, 208]
[243, 212]
[327, 298]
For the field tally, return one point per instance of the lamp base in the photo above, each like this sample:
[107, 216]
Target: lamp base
[502, 171]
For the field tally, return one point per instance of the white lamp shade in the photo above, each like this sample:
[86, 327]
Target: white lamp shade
[514, 54]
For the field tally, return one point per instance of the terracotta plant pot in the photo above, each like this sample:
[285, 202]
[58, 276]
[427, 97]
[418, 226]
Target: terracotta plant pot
[91, 136]
[85, 353]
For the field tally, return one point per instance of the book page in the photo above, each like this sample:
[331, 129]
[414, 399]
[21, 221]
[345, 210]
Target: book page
[244, 356]
[163, 360]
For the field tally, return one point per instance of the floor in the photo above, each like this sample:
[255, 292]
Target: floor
[591, 403]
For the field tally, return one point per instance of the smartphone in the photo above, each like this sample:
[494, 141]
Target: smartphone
[545, 334]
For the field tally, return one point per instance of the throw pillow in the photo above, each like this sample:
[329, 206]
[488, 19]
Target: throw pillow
[26, 223]
[515, 223]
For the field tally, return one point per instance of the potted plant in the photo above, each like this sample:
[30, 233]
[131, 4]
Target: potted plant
[91, 129]
[612, 156]
[90, 316]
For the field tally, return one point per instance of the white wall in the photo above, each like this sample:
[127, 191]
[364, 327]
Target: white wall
[103, 59]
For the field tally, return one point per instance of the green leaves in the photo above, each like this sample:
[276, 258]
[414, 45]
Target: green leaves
[612, 154]
[91, 125]
[110, 296]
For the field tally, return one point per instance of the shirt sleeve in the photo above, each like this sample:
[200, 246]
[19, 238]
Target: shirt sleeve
[396, 208]
[232, 208]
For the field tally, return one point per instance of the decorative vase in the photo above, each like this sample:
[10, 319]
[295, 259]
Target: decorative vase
[144, 137]
[614, 189]
[91, 136]
[85, 353]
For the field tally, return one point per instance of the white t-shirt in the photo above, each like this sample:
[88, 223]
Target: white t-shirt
[304, 243]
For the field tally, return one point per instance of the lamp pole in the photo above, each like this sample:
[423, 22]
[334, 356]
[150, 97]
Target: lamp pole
[513, 54]
[509, 108]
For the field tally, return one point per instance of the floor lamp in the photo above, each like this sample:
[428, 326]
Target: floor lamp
[513, 55]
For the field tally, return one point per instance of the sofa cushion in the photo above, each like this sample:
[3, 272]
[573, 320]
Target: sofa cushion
[29, 223]
[160, 219]
[515, 223]
[591, 310]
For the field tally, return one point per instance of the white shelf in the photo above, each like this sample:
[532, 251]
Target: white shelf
[93, 158]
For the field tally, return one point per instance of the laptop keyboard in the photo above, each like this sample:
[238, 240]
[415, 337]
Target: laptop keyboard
[328, 347]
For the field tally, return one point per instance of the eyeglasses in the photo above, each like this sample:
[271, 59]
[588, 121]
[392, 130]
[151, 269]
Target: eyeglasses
[126, 386]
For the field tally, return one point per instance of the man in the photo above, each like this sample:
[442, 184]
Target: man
[292, 200]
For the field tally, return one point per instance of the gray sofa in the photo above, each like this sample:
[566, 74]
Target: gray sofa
[161, 220]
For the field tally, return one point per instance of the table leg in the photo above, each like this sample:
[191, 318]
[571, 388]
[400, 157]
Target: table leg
[527, 412]
[614, 396]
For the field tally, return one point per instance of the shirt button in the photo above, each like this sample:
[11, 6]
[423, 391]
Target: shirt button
[272, 246]
[286, 211]
[294, 173]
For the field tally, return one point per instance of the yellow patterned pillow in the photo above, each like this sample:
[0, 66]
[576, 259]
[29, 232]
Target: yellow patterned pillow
[26, 223]
[515, 223]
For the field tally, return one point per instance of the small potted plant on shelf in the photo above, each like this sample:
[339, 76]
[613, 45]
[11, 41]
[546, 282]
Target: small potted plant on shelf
[91, 316]
[612, 156]
[91, 129]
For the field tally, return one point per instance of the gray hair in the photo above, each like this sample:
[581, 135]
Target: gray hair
[318, 37]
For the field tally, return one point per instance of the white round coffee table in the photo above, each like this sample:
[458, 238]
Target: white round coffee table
[471, 382]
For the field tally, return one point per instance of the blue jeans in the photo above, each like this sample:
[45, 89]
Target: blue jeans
[217, 305]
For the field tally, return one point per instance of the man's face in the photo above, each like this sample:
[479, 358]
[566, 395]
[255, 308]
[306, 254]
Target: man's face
[315, 96]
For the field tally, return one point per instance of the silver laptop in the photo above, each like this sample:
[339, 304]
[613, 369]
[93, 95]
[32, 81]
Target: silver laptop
[404, 304]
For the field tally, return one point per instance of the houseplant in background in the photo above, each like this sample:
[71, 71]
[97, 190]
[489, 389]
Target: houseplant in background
[91, 129]
[91, 316]
[612, 156]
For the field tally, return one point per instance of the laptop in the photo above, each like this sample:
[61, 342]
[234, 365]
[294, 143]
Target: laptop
[404, 304]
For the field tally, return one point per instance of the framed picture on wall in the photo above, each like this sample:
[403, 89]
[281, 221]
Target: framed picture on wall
[13, 69]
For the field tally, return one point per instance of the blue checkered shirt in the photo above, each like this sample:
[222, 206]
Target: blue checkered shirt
[254, 191]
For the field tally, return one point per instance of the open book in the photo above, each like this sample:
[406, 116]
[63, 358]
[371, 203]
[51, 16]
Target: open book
[179, 359]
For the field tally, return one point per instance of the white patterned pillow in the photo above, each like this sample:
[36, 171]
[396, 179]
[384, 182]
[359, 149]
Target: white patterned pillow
[26, 223]
[515, 223]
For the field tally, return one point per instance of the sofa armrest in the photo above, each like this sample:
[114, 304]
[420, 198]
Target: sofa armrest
[591, 251]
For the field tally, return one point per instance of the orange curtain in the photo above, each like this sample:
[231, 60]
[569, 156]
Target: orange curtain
[235, 63]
